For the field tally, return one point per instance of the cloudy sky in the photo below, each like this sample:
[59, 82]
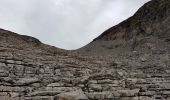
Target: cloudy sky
[67, 24]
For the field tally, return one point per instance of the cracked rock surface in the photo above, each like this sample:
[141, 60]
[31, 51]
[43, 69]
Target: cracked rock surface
[131, 61]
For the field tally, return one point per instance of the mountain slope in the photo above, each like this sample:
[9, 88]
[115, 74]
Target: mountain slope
[31, 70]
[127, 62]
[151, 22]
[20, 42]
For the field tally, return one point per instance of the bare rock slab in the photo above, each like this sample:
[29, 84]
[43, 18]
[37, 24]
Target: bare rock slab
[75, 95]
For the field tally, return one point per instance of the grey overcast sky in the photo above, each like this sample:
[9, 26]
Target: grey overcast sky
[67, 24]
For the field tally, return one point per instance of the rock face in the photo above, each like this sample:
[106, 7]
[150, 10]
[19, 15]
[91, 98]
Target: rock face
[130, 61]
[151, 19]
[148, 28]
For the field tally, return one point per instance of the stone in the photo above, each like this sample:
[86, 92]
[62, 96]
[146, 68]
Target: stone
[100, 96]
[61, 89]
[55, 85]
[116, 94]
[92, 82]
[107, 81]
[14, 94]
[146, 98]
[10, 61]
[5, 98]
[120, 73]
[74, 95]
[143, 59]
[137, 69]
[95, 87]
[147, 93]
[27, 81]
[2, 64]
[12, 89]
[43, 93]
[133, 80]
[128, 93]
[19, 62]
[3, 73]
[39, 98]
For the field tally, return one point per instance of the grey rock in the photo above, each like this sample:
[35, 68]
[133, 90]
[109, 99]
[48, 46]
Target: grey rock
[95, 87]
[74, 95]
[27, 81]
[128, 93]
[39, 98]
[43, 93]
[100, 96]
[130, 61]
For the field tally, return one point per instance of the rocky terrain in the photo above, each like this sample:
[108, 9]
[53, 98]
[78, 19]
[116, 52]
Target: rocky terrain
[130, 61]
[149, 24]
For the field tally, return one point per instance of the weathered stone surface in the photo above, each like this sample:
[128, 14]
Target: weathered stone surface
[130, 61]
[39, 98]
[55, 85]
[100, 96]
[43, 93]
[12, 89]
[61, 89]
[95, 87]
[27, 81]
[5, 98]
[128, 93]
[75, 95]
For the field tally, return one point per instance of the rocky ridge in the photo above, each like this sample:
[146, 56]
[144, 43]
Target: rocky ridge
[129, 67]
[149, 25]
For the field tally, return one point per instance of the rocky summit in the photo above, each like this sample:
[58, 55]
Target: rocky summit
[130, 61]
